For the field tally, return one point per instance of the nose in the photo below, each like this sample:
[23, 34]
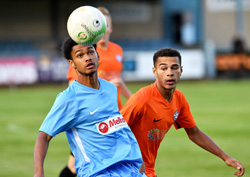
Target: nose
[87, 58]
[170, 72]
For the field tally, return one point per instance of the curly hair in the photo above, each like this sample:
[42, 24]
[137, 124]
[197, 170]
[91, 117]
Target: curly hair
[66, 48]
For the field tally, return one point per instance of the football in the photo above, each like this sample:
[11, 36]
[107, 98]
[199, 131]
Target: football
[86, 25]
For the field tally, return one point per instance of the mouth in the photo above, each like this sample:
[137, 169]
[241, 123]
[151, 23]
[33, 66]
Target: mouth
[170, 81]
[90, 65]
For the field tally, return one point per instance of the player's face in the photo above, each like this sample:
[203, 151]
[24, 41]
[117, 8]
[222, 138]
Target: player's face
[167, 71]
[84, 59]
[106, 36]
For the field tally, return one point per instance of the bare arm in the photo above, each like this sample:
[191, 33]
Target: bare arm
[204, 141]
[40, 152]
[123, 88]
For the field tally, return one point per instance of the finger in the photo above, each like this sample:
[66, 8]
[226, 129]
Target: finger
[240, 172]
[240, 168]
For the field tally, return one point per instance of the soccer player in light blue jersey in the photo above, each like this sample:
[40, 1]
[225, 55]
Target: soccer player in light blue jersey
[87, 111]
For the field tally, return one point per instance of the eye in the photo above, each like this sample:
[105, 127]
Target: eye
[175, 67]
[79, 56]
[163, 68]
[96, 23]
[91, 52]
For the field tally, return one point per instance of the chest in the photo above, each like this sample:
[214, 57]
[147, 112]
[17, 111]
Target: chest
[95, 108]
[161, 117]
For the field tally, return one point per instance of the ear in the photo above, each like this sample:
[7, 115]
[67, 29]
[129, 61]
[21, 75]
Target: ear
[181, 70]
[98, 56]
[154, 71]
[111, 29]
[71, 64]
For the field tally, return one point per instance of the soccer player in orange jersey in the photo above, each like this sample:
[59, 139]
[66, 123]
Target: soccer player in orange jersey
[110, 68]
[152, 111]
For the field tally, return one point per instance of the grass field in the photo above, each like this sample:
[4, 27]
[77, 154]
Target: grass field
[221, 109]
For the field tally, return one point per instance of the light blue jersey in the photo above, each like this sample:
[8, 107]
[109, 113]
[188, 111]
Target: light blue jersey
[98, 135]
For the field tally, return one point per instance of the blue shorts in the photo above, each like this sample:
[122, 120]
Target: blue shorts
[123, 169]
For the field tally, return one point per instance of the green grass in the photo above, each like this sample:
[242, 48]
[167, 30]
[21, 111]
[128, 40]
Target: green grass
[221, 109]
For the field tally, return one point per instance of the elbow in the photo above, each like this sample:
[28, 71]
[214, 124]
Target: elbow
[193, 133]
[192, 137]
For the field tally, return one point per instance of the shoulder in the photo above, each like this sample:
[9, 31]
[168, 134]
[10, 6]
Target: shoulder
[67, 95]
[106, 84]
[115, 46]
[66, 100]
[137, 103]
[179, 93]
[147, 90]
[144, 94]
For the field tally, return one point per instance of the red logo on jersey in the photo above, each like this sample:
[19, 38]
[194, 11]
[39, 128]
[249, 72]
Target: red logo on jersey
[103, 127]
[117, 121]
[111, 125]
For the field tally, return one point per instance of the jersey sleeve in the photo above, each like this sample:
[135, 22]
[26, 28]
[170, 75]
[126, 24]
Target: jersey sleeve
[132, 111]
[61, 117]
[185, 118]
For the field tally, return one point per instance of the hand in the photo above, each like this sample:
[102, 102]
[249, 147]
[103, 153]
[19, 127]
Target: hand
[237, 165]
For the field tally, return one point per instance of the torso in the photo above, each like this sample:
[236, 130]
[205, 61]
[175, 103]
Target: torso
[156, 116]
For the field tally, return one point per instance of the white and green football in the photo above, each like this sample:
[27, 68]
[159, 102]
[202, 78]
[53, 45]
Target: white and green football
[86, 25]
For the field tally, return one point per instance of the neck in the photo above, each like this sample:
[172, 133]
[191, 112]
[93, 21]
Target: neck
[103, 44]
[167, 94]
[88, 80]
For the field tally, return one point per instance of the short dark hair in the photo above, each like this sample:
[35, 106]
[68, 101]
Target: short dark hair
[166, 52]
[66, 47]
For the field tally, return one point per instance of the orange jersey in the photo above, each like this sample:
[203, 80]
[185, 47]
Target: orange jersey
[150, 117]
[110, 65]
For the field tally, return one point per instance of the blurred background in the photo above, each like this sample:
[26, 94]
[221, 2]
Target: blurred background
[213, 37]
